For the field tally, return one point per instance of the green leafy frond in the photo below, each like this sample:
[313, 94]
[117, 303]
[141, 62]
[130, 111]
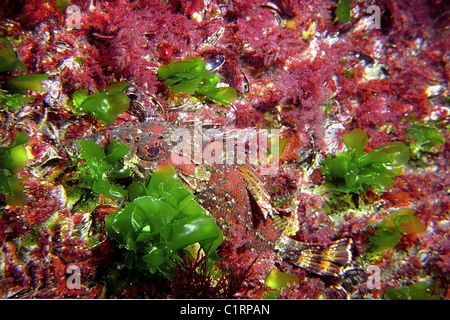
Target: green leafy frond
[162, 219]
[191, 76]
[355, 170]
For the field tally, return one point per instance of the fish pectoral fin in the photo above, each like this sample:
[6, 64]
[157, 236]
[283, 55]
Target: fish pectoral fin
[322, 260]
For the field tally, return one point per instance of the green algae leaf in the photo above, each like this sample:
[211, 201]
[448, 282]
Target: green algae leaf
[158, 213]
[91, 152]
[20, 139]
[118, 223]
[79, 60]
[144, 235]
[337, 167]
[98, 104]
[8, 57]
[386, 238]
[399, 154]
[355, 141]
[118, 87]
[196, 228]
[102, 166]
[115, 151]
[190, 76]
[138, 221]
[62, 4]
[186, 85]
[405, 220]
[185, 69]
[13, 101]
[105, 105]
[410, 225]
[160, 222]
[165, 179]
[156, 256]
[279, 144]
[189, 207]
[422, 290]
[12, 186]
[78, 97]
[118, 171]
[376, 156]
[400, 222]
[425, 136]
[208, 82]
[14, 157]
[119, 103]
[31, 239]
[109, 190]
[225, 95]
[136, 190]
[17, 197]
[276, 281]
[5, 183]
[31, 82]
[342, 11]
[357, 171]
[177, 195]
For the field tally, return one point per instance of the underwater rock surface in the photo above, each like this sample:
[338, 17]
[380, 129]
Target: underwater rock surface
[295, 69]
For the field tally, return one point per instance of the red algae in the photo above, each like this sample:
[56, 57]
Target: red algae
[295, 70]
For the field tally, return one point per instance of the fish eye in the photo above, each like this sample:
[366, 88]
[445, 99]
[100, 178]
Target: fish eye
[151, 148]
[153, 151]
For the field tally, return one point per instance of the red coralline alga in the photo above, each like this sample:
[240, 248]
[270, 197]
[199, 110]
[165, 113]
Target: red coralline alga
[295, 70]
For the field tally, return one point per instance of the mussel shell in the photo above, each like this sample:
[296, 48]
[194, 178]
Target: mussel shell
[214, 62]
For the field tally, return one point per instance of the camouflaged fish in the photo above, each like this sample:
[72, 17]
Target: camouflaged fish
[152, 143]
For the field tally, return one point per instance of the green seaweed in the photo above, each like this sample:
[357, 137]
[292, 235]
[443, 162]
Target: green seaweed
[422, 290]
[13, 101]
[17, 83]
[160, 221]
[102, 166]
[62, 4]
[341, 202]
[342, 11]
[13, 158]
[276, 281]
[425, 138]
[105, 105]
[31, 82]
[8, 57]
[191, 76]
[390, 230]
[355, 170]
